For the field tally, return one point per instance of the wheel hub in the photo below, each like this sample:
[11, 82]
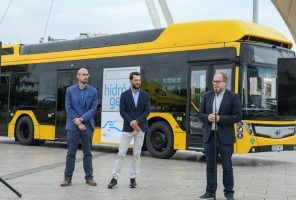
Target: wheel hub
[25, 132]
[158, 140]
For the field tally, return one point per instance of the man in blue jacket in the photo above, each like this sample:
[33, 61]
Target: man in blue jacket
[81, 106]
[134, 109]
[227, 106]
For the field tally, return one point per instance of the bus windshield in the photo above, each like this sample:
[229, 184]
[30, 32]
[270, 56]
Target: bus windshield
[259, 89]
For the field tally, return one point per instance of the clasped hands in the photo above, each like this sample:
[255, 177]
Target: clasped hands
[134, 125]
[79, 123]
[211, 117]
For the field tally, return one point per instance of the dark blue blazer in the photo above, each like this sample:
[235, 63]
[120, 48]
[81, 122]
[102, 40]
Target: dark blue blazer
[129, 111]
[230, 112]
[77, 107]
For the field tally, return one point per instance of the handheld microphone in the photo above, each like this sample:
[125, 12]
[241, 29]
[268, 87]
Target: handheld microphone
[216, 90]
[216, 94]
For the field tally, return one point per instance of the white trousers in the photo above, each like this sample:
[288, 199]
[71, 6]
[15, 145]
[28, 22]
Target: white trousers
[125, 141]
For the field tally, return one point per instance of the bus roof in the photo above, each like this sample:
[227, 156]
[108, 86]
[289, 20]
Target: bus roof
[176, 37]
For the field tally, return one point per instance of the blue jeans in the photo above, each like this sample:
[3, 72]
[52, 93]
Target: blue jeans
[225, 151]
[73, 138]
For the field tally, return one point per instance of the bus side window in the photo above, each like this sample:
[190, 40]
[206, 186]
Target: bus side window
[167, 87]
[47, 90]
[24, 91]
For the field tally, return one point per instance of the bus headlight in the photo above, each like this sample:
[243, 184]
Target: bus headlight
[250, 128]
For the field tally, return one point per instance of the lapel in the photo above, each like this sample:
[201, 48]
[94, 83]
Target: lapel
[130, 95]
[82, 101]
[224, 99]
[78, 94]
[139, 99]
[211, 101]
[84, 97]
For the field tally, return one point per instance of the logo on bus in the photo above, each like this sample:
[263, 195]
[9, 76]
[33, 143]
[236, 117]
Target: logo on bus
[278, 131]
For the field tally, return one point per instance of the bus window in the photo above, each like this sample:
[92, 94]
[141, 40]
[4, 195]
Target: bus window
[47, 90]
[166, 85]
[259, 92]
[198, 86]
[24, 91]
[198, 89]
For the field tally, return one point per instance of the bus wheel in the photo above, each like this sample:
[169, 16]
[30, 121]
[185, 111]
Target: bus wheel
[160, 140]
[25, 131]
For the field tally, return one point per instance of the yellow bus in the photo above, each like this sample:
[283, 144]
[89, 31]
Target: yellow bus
[177, 64]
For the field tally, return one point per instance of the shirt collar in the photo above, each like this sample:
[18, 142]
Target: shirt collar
[221, 94]
[83, 88]
[135, 92]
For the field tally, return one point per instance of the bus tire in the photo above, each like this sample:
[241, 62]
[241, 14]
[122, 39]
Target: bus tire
[160, 140]
[24, 131]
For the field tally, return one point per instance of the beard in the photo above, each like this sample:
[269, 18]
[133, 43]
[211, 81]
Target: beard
[84, 81]
[136, 87]
[219, 90]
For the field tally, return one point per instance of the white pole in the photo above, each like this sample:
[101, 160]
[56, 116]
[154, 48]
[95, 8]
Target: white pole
[166, 11]
[255, 11]
[153, 13]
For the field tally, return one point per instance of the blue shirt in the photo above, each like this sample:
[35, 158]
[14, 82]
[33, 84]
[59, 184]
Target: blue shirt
[136, 97]
[82, 91]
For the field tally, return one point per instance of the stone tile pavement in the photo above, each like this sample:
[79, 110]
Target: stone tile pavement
[37, 172]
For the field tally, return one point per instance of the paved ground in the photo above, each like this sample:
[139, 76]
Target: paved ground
[37, 172]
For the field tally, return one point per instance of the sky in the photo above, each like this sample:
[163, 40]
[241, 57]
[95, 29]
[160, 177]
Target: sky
[25, 20]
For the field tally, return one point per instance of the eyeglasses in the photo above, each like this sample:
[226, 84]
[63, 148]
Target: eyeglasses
[215, 82]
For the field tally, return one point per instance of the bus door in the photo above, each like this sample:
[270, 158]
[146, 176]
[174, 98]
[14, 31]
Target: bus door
[64, 80]
[4, 104]
[200, 82]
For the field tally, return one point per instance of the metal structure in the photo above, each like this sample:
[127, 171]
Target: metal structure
[287, 9]
[153, 13]
[166, 11]
[255, 11]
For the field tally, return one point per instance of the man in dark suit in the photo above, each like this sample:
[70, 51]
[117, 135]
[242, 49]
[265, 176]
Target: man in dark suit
[81, 106]
[227, 107]
[134, 109]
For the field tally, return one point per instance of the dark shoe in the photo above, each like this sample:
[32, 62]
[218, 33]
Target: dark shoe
[229, 196]
[91, 182]
[133, 183]
[112, 184]
[66, 182]
[207, 196]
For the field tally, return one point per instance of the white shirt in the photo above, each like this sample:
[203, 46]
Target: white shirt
[218, 104]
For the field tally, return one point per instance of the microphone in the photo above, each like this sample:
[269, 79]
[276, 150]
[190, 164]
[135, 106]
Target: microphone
[216, 90]
[216, 94]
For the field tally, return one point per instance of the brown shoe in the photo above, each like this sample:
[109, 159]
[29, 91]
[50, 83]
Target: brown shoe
[91, 182]
[66, 182]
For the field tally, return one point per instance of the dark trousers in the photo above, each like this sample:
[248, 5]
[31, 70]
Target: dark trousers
[73, 138]
[225, 151]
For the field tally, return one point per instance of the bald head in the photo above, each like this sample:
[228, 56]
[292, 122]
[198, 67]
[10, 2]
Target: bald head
[82, 76]
[82, 70]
